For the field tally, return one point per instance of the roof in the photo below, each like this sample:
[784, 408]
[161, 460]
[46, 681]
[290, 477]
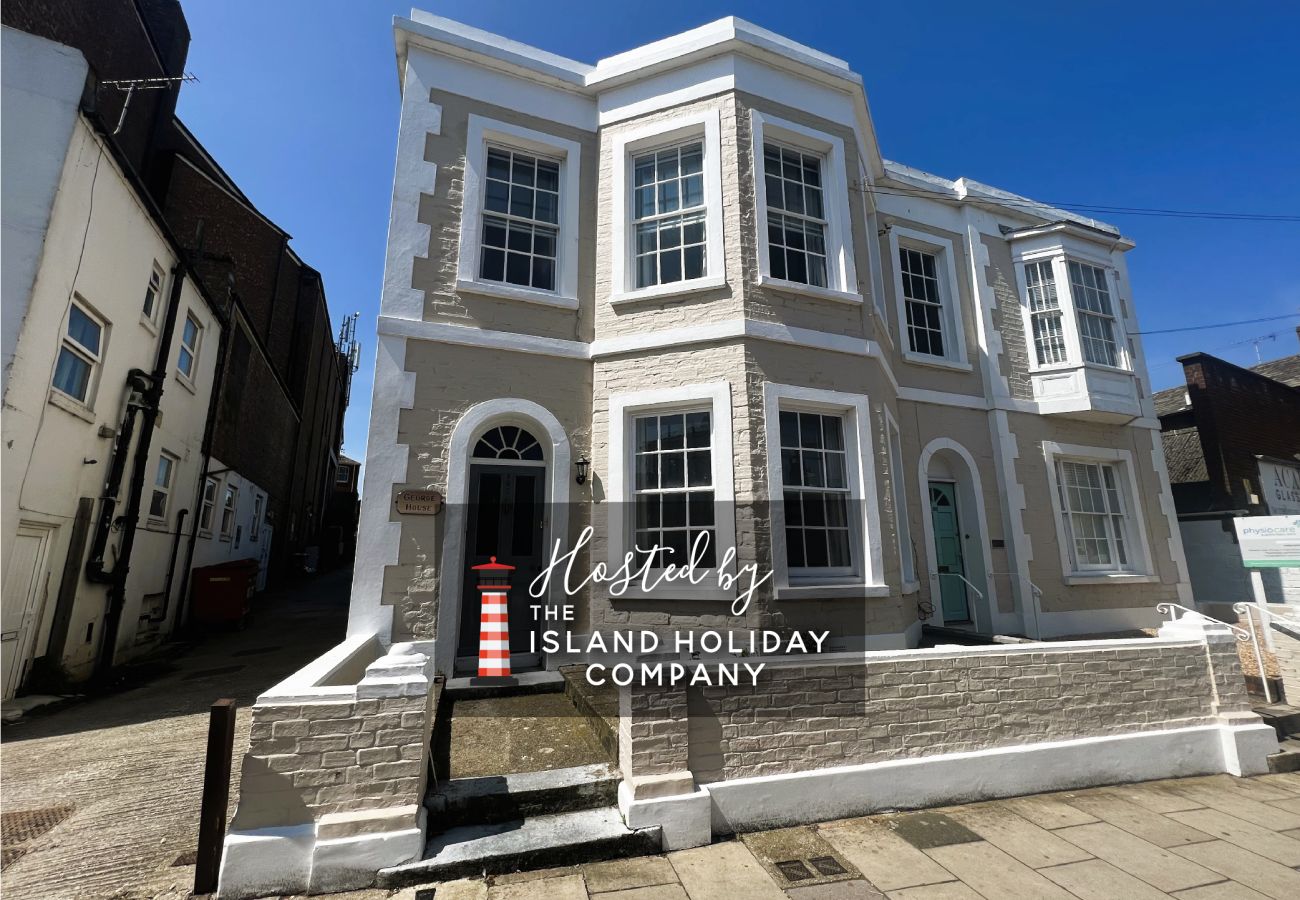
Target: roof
[1183, 455]
[1285, 370]
[1171, 400]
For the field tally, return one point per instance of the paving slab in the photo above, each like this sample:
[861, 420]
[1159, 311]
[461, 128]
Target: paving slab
[1287, 781]
[726, 871]
[1156, 866]
[565, 887]
[1049, 811]
[1254, 871]
[621, 874]
[884, 858]
[857, 889]
[463, 889]
[1246, 787]
[952, 890]
[1031, 845]
[813, 857]
[1096, 879]
[1224, 890]
[1291, 804]
[1156, 798]
[672, 891]
[1267, 843]
[1150, 826]
[1234, 804]
[993, 873]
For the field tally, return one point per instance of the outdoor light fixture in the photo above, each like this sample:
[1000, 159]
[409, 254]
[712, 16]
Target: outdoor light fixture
[582, 465]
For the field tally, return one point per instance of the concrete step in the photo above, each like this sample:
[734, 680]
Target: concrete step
[1285, 719]
[1288, 759]
[539, 842]
[502, 798]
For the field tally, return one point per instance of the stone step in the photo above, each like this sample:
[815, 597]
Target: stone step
[539, 842]
[1285, 719]
[522, 684]
[502, 798]
[1288, 759]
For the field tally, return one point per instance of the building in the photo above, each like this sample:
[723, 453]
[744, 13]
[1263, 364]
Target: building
[1232, 443]
[251, 476]
[341, 513]
[110, 359]
[676, 299]
[970, 355]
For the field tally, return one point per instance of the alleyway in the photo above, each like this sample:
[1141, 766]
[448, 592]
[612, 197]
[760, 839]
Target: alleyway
[122, 774]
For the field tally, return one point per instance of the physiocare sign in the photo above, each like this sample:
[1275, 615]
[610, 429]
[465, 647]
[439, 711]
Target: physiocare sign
[1269, 542]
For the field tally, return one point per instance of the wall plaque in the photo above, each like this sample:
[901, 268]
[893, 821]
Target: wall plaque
[419, 503]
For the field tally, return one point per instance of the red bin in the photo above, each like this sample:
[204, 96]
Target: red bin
[223, 593]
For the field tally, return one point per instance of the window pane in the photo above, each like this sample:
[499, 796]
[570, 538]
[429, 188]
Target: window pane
[84, 330]
[789, 429]
[698, 471]
[672, 470]
[494, 264]
[158, 504]
[548, 176]
[497, 197]
[186, 362]
[647, 473]
[548, 207]
[700, 508]
[674, 510]
[697, 429]
[498, 165]
[72, 374]
[518, 270]
[671, 432]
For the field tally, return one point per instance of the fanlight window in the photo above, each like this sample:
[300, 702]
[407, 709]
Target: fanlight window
[508, 442]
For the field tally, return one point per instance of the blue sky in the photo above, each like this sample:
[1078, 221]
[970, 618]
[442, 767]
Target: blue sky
[1187, 106]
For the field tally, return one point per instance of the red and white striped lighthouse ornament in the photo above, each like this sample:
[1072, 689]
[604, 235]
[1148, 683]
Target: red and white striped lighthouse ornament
[494, 623]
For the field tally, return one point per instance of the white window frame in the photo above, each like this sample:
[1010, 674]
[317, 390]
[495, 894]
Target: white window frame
[482, 132]
[623, 408]
[229, 490]
[841, 271]
[208, 505]
[255, 527]
[188, 379]
[867, 579]
[1059, 254]
[164, 489]
[898, 493]
[1140, 568]
[94, 360]
[149, 318]
[953, 325]
[706, 127]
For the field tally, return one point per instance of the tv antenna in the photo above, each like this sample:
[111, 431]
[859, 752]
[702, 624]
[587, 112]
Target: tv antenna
[130, 85]
[1257, 341]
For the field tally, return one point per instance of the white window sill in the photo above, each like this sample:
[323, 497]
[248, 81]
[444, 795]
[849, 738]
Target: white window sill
[1075, 366]
[1110, 578]
[830, 591]
[149, 324]
[71, 405]
[809, 290]
[186, 383]
[673, 289]
[515, 292]
[910, 587]
[937, 362]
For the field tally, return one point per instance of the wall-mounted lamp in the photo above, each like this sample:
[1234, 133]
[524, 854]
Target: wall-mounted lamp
[582, 464]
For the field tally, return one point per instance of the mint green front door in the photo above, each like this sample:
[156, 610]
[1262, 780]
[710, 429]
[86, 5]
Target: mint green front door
[947, 552]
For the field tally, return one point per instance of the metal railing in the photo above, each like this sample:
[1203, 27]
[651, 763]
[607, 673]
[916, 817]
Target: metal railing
[1243, 635]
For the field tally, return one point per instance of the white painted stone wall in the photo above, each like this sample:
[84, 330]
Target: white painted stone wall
[1217, 575]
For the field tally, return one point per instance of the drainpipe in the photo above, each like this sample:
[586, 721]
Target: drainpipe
[171, 568]
[205, 456]
[151, 398]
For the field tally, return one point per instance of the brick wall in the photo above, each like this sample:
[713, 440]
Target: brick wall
[925, 703]
[1239, 414]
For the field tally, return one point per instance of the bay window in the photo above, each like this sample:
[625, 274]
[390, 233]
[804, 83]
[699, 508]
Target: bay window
[1096, 315]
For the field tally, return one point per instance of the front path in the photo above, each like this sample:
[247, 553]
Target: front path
[1217, 838]
[122, 774]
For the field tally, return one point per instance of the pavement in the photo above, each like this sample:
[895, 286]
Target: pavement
[1213, 838]
[113, 784]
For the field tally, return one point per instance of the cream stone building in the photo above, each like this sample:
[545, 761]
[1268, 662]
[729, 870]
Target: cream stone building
[701, 236]
[679, 294]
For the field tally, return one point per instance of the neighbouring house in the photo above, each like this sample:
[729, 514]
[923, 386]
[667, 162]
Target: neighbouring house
[110, 360]
[1232, 445]
[251, 480]
[341, 513]
[678, 298]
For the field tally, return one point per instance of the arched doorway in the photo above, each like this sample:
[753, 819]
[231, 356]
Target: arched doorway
[507, 496]
[958, 560]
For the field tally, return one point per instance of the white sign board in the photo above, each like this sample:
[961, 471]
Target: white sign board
[1281, 486]
[1269, 542]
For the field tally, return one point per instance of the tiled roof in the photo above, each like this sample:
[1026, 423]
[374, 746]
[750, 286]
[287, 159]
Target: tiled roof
[1170, 400]
[1285, 370]
[1183, 455]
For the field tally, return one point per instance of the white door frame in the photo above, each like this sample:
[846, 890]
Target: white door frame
[22, 644]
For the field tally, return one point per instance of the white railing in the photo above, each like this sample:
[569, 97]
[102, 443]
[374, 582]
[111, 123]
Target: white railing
[1244, 635]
